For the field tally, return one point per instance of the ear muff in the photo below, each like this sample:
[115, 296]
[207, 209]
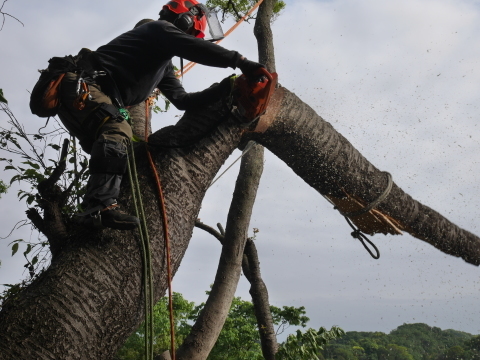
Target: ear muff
[184, 21]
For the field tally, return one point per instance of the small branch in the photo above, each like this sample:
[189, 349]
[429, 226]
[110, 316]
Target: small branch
[230, 2]
[6, 14]
[221, 229]
[36, 219]
[210, 230]
[62, 165]
[75, 181]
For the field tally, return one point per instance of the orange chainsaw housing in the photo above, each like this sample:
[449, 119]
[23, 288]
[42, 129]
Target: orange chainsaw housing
[251, 96]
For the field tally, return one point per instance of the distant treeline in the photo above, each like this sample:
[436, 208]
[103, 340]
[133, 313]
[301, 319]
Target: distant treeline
[407, 342]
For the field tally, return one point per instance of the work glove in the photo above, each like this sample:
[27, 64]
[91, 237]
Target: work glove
[249, 68]
[226, 85]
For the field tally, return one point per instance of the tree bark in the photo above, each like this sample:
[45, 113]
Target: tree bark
[261, 304]
[206, 329]
[90, 299]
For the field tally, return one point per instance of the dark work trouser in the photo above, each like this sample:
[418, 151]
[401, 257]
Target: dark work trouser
[105, 137]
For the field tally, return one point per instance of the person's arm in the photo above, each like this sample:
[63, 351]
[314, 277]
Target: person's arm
[173, 90]
[177, 43]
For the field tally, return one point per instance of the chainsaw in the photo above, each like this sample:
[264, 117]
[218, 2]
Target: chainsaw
[252, 95]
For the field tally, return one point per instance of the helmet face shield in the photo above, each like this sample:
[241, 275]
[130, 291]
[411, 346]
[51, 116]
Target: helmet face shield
[214, 27]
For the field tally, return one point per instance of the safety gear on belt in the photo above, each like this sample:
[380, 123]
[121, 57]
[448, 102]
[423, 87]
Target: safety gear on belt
[189, 16]
[249, 68]
[44, 100]
[100, 115]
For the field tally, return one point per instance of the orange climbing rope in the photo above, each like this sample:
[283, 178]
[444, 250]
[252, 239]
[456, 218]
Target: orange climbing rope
[163, 211]
[191, 64]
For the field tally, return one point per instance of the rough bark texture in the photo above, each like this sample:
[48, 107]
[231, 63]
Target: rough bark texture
[90, 299]
[210, 322]
[263, 33]
[261, 304]
[329, 163]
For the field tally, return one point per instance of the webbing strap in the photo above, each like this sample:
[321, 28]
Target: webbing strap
[375, 202]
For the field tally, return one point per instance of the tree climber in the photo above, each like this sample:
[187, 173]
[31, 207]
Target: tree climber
[125, 72]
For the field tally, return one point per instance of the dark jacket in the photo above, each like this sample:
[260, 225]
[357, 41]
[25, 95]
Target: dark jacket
[140, 60]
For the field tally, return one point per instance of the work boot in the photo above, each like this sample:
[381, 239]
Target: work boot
[114, 218]
[110, 217]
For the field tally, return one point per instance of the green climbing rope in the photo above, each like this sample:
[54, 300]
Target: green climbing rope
[146, 254]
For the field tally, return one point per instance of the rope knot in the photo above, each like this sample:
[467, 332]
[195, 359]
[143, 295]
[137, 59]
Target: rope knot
[357, 234]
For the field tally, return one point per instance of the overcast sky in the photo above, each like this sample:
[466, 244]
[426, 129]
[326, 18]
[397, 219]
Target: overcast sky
[399, 79]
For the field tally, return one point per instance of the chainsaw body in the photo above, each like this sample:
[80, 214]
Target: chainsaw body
[251, 96]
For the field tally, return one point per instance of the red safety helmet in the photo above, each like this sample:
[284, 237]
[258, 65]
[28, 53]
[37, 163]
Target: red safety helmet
[191, 16]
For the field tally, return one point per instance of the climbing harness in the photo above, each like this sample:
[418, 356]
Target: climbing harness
[357, 233]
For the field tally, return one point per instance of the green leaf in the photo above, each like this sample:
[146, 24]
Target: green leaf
[16, 177]
[10, 167]
[29, 248]
[54, 146]
[34, 260]
[2, 99]
[32, 164]
[14, 248]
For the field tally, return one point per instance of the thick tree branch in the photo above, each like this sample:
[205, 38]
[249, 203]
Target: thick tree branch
[204, 334]
[259, 293]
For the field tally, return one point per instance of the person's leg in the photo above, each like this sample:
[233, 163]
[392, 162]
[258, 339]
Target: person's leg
[108, 163]
[105, 135]
[107, 166]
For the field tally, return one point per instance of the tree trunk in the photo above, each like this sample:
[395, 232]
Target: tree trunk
[90, 299]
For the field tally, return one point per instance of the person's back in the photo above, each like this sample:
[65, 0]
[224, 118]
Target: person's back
[138, 59]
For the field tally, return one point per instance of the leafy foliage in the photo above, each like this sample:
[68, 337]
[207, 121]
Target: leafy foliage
[27, 159]
[407, 342]
[183, 310]
[3, 188]
[306, 345]
[238, 340]
[239, 8]
[2, 98]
